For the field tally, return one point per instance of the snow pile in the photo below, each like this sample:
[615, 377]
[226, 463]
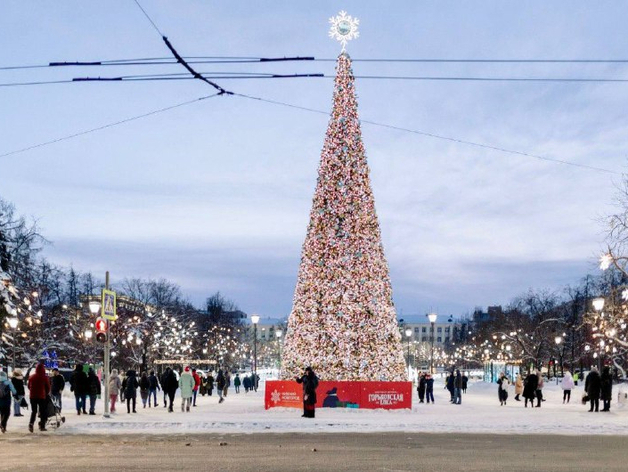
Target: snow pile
[480, 412]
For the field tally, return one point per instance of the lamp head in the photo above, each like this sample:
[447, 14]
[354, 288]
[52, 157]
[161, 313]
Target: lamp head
[254, 319]
[12, 323]
[94, 307]
[432, 317]
[408, 332]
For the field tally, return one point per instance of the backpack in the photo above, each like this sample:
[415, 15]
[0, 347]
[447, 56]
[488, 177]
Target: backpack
[4, 390]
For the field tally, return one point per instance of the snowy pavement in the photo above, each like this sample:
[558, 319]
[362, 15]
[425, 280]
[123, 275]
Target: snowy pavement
[480, 412]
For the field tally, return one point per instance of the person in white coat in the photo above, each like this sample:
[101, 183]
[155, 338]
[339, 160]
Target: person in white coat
[567, 384]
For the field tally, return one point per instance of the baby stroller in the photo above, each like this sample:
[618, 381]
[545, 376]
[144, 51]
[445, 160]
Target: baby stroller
[54, 413]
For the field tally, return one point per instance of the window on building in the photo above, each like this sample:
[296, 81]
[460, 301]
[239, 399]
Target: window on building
[446, 340]
[447, 329]
[423, 330]
[416, 330]
[440, 340]
[439, 329]
[424, 338]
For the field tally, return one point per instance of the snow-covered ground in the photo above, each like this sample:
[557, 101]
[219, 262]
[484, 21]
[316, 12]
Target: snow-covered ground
[480, 412]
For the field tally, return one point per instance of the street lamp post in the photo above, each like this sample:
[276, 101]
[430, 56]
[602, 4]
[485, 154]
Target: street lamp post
[13, 324]
[94, 308]
[598, 305]
[409, 336]
[279, 333]
[255, 320]
[558, 340]
[432, 318]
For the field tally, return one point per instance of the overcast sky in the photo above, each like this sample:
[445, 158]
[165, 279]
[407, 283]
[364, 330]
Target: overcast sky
[216, 195]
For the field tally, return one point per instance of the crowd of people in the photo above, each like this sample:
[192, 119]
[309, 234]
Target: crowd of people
[85, 384]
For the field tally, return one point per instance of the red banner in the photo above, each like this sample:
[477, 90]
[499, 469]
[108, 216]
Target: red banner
[369, 395]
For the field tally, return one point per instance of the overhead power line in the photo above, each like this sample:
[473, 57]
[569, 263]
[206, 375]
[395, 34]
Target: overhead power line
[205, 76]
[441, 137]
[254, 59]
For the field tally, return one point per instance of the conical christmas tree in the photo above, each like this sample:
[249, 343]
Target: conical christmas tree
[343, 321]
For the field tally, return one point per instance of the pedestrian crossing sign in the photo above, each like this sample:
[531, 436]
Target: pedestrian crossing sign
[109, 305]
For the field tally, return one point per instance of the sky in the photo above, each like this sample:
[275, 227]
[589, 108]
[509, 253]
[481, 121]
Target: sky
[215, 195]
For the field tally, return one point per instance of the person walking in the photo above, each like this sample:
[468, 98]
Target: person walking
[227, 383]
[567, 384]
[529, 388]
[169, 385]
[129, 386]
[593, 385]
[310, 383]
[210, 384]
[17, 380]
[458, 388]
[518, 387]
[153, 386]
[220, 385]
[246, 383]
[606, 388]
[197, 385]
[144, 388]
[57, 384]
[93, 389]
[429, 388]
[39, 388]
[78, 385]
[186, 384]
[7, 391]
[502, 389]
[236, 383]
[115, 385]
[421, 387]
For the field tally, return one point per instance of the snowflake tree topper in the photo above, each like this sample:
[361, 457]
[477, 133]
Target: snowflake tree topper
[344, 28]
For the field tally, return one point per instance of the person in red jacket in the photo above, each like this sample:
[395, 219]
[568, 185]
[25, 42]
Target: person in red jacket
[197, 384]
[39, 388]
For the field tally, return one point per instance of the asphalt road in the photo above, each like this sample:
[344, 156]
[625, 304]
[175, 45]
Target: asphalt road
[389, 452]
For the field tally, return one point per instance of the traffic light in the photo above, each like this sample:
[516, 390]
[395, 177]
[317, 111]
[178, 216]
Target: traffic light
[101, 330]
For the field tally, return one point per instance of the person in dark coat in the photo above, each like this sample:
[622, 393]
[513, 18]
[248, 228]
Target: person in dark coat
[129, 386]
[246, 383]
[39, 388]
[310, 383]
[220, 385]
[93, 390]
[153, 387]
[18, 383]
[210, 384]
[57, 384]
[465, 381]
[449, 385]
[144, 387]
[529, 388]
[458, 388]
[429, 388]
[78, 385]
[593, 385]
[169, 385]
[421, 387]
[606, 388]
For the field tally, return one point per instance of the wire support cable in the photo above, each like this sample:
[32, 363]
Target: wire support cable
[109, 125]
[442, 137]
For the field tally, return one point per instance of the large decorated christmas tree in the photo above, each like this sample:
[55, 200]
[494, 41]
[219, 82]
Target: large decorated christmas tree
[343, 321]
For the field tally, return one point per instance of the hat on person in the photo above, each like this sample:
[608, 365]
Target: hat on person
[187, 368]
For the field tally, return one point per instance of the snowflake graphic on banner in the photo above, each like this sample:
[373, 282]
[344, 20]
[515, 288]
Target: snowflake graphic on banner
[275, 396]
[344, 28]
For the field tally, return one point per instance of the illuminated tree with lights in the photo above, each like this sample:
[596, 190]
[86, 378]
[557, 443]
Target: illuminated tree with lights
[343, 321]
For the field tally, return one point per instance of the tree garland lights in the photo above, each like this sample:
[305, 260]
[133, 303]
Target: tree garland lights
[343, 322]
